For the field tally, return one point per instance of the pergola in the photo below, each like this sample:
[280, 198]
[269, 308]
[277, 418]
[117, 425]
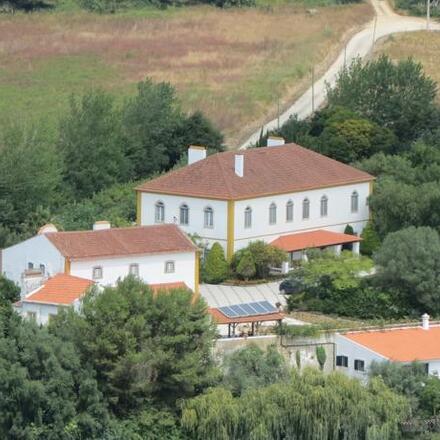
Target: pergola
[254, 321]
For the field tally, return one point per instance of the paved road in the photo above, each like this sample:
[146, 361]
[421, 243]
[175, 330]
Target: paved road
[386, 22]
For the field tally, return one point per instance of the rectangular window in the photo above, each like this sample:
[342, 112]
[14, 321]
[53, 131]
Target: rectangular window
[248, 218]
[359, 365]
[342, 361]
[97, 273]
[289, 212]
[170, 267]
[30, 266]
[209, 218]
[134, 269]
[31, 315]
[42, 269]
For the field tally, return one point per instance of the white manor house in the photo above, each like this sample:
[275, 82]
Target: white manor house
[283, 194]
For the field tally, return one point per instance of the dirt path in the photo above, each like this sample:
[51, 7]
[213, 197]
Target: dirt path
[385, 23]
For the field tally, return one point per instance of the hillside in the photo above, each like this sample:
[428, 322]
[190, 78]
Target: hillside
[231, 64]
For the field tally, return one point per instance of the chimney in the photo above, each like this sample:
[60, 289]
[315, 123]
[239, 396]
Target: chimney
[239, 165]
[425, 321]
[195, 154]
[101, 225]
[49, 227]
[275, 141]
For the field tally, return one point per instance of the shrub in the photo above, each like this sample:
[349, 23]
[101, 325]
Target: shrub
[215, 269]
[264, 256]
[321, 356]
[246, 267]
[370, 240]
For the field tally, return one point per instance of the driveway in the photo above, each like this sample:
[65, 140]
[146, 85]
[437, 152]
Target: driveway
[387, 22]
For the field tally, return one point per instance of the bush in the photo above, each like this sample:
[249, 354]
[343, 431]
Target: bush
[370, 240]
[264, 256]
[246, 267]
[215, 269]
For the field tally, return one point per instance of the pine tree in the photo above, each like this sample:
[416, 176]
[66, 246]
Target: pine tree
[216, 268]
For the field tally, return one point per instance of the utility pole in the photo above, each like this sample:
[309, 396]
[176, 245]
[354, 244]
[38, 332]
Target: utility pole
[313, 89]
[428, 14]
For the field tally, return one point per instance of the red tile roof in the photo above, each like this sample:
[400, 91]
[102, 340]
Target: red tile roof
[267, 171]
[135, 240]
[220, 318]
[312, 239]
[403, 344]
[61, 289]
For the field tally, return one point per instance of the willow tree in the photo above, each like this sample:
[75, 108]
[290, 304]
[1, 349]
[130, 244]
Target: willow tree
[311, 406]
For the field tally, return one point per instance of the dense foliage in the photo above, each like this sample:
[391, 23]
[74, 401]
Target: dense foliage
[251, 368]
[114, 371]
[309, 406]
[215, 267]
[418, 7]
[255, 260]
[87, 172]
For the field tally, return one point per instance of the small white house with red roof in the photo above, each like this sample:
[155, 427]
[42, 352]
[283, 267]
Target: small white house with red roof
[356, 350]
[62, 290]
[159, 255]
[283, 191]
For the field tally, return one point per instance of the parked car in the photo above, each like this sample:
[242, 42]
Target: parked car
[290, 286]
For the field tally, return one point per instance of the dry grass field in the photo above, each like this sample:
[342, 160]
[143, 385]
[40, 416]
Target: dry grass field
[422, 46]
[231, 64]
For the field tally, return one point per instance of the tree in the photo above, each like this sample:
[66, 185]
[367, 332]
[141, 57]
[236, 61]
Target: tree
[408, 263]
[251, 368]
[354, 139]
[408, 380]
[311, 405]
[246, 267]
[116, 204]
[9, 291]
[321, 356]
[29, 176]
[145, 348]
[149, 125]
[44, 391]
[397, 96]
[264, 256]
[90, 140]
[370, 240]
[215, 268]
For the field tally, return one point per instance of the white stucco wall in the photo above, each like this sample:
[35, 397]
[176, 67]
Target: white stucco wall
[339, 213]
[218, 233]
[37, 250]
[353, 350]
[434, 367]
[151, 268]
[42, 311]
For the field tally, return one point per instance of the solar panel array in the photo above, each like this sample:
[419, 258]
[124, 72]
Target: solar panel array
[248, 309]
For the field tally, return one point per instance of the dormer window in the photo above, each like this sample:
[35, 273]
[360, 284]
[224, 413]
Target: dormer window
[159, 212]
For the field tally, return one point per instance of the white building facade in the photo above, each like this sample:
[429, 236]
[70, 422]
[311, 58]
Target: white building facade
[158, 255]
[261, 194]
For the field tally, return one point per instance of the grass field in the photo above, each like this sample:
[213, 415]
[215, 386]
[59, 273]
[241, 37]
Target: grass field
[231, 64]
[422, 46]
